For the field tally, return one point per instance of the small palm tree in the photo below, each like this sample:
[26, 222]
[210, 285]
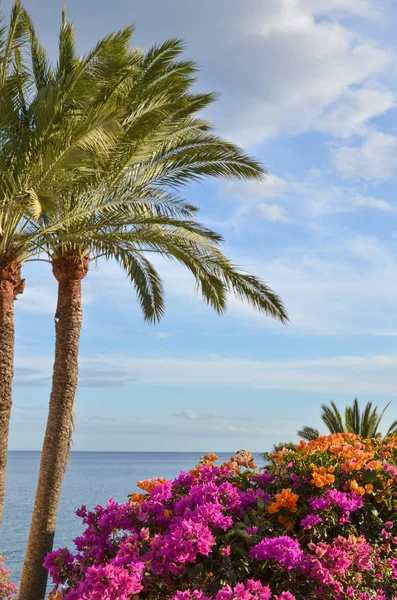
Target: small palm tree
[130, 211]
[282, 446]
[365, 424]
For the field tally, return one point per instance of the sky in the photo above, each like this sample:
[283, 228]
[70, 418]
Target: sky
[309, 87]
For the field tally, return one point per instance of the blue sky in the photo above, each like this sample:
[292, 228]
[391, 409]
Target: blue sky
[310, 88]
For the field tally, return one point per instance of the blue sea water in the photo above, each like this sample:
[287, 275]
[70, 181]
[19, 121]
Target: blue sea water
[91, 478]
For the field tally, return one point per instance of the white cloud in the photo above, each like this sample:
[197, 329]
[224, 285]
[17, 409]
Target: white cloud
[190, 415]
[373, 203]
[39, 300]
[309, 197]
[341, 286]
[366, 8]
[375, 374]
[41, 297]
[353, 109]
[252, 430]
[164, 335]
[281, 66]
[272, 187]
[346, 286]
[98, 425]
[272, 212]
[375, 158]
[315, 66]
[371, 251]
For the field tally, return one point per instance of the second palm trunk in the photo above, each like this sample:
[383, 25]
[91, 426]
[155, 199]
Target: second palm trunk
[69, 271]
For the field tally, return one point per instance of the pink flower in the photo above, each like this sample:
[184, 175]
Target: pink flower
[310, 521]
[283, 550]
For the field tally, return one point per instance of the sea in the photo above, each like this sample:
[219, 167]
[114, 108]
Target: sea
[91, 479]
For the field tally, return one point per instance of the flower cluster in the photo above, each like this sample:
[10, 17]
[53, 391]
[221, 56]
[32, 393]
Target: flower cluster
[319, 522]
[7, 588]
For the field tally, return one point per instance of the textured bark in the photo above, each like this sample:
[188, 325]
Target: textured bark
[69, 271]
[11, 285]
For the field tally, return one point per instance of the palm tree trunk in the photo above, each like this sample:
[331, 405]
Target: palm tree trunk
[11, 285]
[68, 271]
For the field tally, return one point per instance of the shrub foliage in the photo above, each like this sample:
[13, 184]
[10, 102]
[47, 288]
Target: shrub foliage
[319, 521]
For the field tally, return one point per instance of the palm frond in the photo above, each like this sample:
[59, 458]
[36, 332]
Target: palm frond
[332, 418]
[103, 143]
[377, 421]
[392, 429]
[144, 278]
[67, 51]
[41, 68]
[353, 418]
[367, 421]
[365, 424]
[308, 433]
[15, 36]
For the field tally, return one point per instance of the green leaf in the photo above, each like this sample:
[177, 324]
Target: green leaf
[260, 504]
[247, 519]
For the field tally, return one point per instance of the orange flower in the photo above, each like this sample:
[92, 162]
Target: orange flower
[137, 498]
[320, 477]
[243, 459]
[148, 484]
[210, 457]
[374, 465]
[346, 445]
[205, 461]
[355, 487]
[286, 499]
[369, 488]
[232, 465]
[387, 483]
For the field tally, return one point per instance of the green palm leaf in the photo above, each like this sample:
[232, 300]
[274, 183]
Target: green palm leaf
[308, 433]
[365, 424]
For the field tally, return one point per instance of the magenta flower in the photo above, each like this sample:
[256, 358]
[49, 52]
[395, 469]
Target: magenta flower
[310, 521]
[283, 550]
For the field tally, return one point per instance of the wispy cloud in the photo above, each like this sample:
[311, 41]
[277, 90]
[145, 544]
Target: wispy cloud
[375, 374]
[190, 415]
[329, 281]
[307, 198]
[316, 63]
[164, 335]
[92, 373]
[374, 158]
[139, 427]
[273, 212]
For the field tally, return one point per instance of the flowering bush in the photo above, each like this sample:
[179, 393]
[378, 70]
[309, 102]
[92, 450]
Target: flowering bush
[319, 522]
[7, 588]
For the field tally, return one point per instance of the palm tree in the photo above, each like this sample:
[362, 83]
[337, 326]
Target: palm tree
[131, 210]
[11, 283]
[56, 129]
[365, 424]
